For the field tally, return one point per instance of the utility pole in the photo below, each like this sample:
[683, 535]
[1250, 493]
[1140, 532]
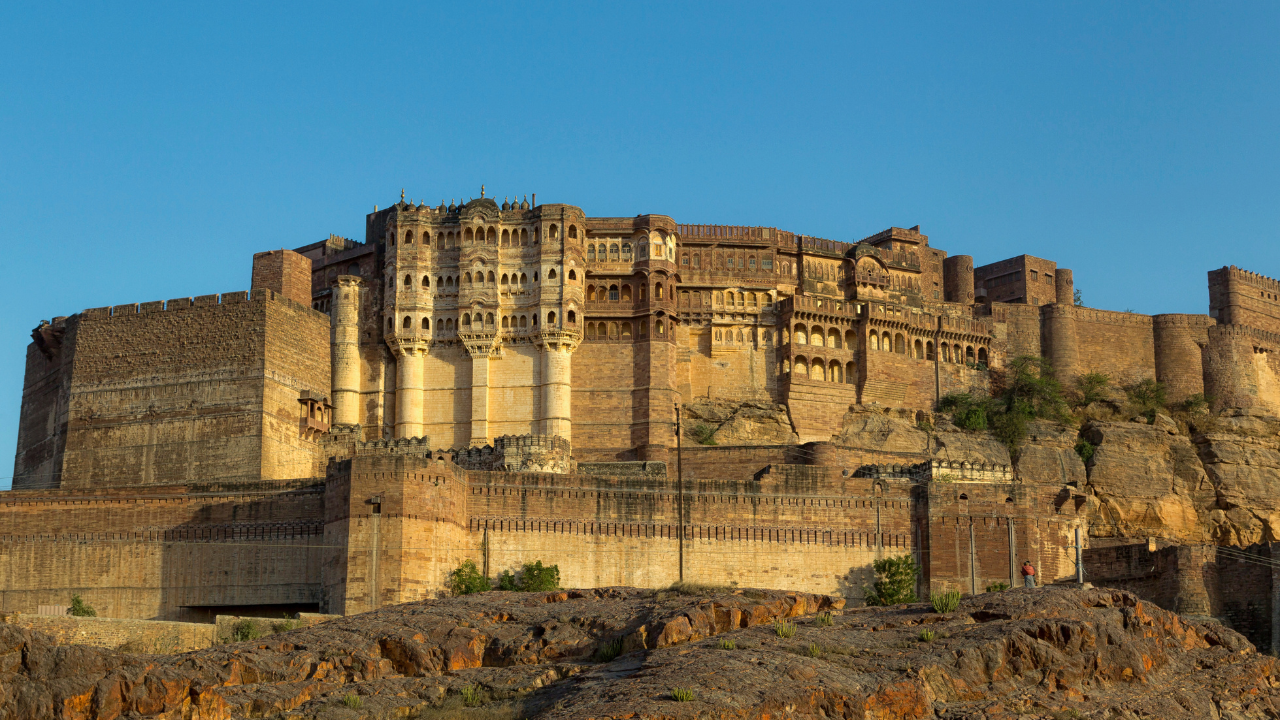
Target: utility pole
[680, 500]
[1079, 558]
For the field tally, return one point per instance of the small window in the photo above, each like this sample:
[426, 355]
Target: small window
[591, 251]
[426, 324]
[551, 318]
[626, 252]
[408, 322]
[426, 281]
[408, 281]
[573, 231]
[573, 317]
[1035, 275]
[573, 275]
[408, 237]
[613, 293]
[551, 274]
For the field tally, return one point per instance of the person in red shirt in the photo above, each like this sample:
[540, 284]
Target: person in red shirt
[1028, 574]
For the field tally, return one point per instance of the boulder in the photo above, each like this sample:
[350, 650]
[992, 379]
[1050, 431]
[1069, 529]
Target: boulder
[738, 423]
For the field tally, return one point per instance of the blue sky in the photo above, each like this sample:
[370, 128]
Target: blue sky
[147, 152]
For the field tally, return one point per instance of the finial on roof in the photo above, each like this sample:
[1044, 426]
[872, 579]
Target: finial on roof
[482, 191]
[401, 194]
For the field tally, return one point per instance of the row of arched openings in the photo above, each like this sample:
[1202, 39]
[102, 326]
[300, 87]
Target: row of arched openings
[622, 330]
[517, 237]
[820, 369]
[612, 252]
[815, 335]
[615, 293]
[480, 321]
[724, 298]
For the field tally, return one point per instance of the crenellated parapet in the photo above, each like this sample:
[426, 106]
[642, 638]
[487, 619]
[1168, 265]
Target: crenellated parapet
[519, 453]
[965, 471]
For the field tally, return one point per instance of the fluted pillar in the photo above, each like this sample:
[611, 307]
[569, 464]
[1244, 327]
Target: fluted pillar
[557, 382]
[409, 361]
[345, 343]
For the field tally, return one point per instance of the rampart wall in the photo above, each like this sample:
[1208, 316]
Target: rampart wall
[1241, 297]
[165, 552]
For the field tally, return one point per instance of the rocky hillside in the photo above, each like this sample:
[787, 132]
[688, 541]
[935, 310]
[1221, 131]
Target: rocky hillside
[629, 653]
[1215, 479]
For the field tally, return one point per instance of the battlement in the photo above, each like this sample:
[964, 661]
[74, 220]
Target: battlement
[1170, 320]
[897, 233]
[418, 446]
[733, 233]
[519, 453]
[821, 245]
[1093, 315]
[1248, 277]
[962, 470]
[187, 303]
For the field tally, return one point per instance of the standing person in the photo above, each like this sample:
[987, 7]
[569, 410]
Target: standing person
[1028, 574]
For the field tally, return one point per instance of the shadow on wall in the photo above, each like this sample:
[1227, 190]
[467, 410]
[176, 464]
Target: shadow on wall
[258, 557]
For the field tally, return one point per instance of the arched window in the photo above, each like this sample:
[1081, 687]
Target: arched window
[873, 341]
[613, 329]
[849, 341]
[524, 321]
[488, 319]
[408, 322]
[946, 352]
[603, 252]
[802, 367]
[573, 317]
[719, 336]
[657, 293]
[626, 293]
[591, 252]
[591, 331]
[440, 239]
[626, 252]
[467, 236]
[426, 281]
[551, 274]
[626, 331]
[491, 277]
[918, 350]
[642, 329]
[818, 371]
[408, 237]
[801, 335]
[833, 339]
[849, 373]
[886, 342]
[751, 262]
[900, 344]
[535, 276]
[786, 366]
[491, 237]
[391, 323]
[659, 329]
[553, 232]
[391, 239]
[573, 231]
[506, 237]
[467, 278]
[408, 282]
[968, 354]
[524, 279]
[466, 319]
[573, 275]
[613, 293]
[391, 283]
[684, 260]
[613, 252]
[643, 290]
[697, 261]
[928, 350]
[506, 323]
[551, 318]
[353, 269]
[591, 293]
[982, 356]
[426, 324]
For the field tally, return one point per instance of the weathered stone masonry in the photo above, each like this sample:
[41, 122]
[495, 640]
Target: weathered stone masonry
[499, 382]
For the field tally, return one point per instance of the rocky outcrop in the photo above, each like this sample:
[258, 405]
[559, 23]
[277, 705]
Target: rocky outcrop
[717, 422]
[1241, 456]
[901, 431]
[620, 653]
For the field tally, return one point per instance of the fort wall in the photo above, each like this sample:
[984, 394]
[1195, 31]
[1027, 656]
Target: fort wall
[1241, 297]
[284, 272]
[1242, 368]
[1179, 345]
[1080, 340]
[168, 552]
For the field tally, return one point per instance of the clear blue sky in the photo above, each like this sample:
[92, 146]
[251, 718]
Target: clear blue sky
[146, 152]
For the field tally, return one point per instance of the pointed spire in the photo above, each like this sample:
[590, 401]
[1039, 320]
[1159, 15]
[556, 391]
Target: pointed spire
[401, 194]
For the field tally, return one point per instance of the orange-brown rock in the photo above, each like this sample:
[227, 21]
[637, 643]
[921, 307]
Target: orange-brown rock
[1027, 653]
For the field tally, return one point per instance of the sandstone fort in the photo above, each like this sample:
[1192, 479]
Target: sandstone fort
[502, 382]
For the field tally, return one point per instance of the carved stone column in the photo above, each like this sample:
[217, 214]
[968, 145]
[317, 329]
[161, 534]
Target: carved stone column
[557, 385]
[481, 347]
[346, 350]
[409, 386]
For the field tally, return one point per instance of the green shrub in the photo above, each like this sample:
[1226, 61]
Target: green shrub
[896, 583]
[824, 620]
[1024, 391]
[471, 696]
[681, 694]
[784, 628]
[998, 587]
[610, 650]
[285, 625]
[1077, 299]
[728, 645]
[468, 579]
[925, 426]
[533, 577]
[246, 630]
[1085, 449]
[927, 635]
[814, 650]
[704, 434]
[1197, 403]
[945, 602]
[80, 608]
[1146, 398]
[1090, 388]
[352, 701]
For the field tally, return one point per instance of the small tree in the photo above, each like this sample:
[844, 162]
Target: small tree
[1090, 388]
[896, 582]
[1077, 298]
[537, 578]
[80, 608]
[1147, 397]
[467, 579]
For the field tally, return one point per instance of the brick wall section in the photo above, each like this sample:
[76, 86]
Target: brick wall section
[1179, 346]
[141, 635]
[1240, 297]
[46, 391]
[285, 273]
